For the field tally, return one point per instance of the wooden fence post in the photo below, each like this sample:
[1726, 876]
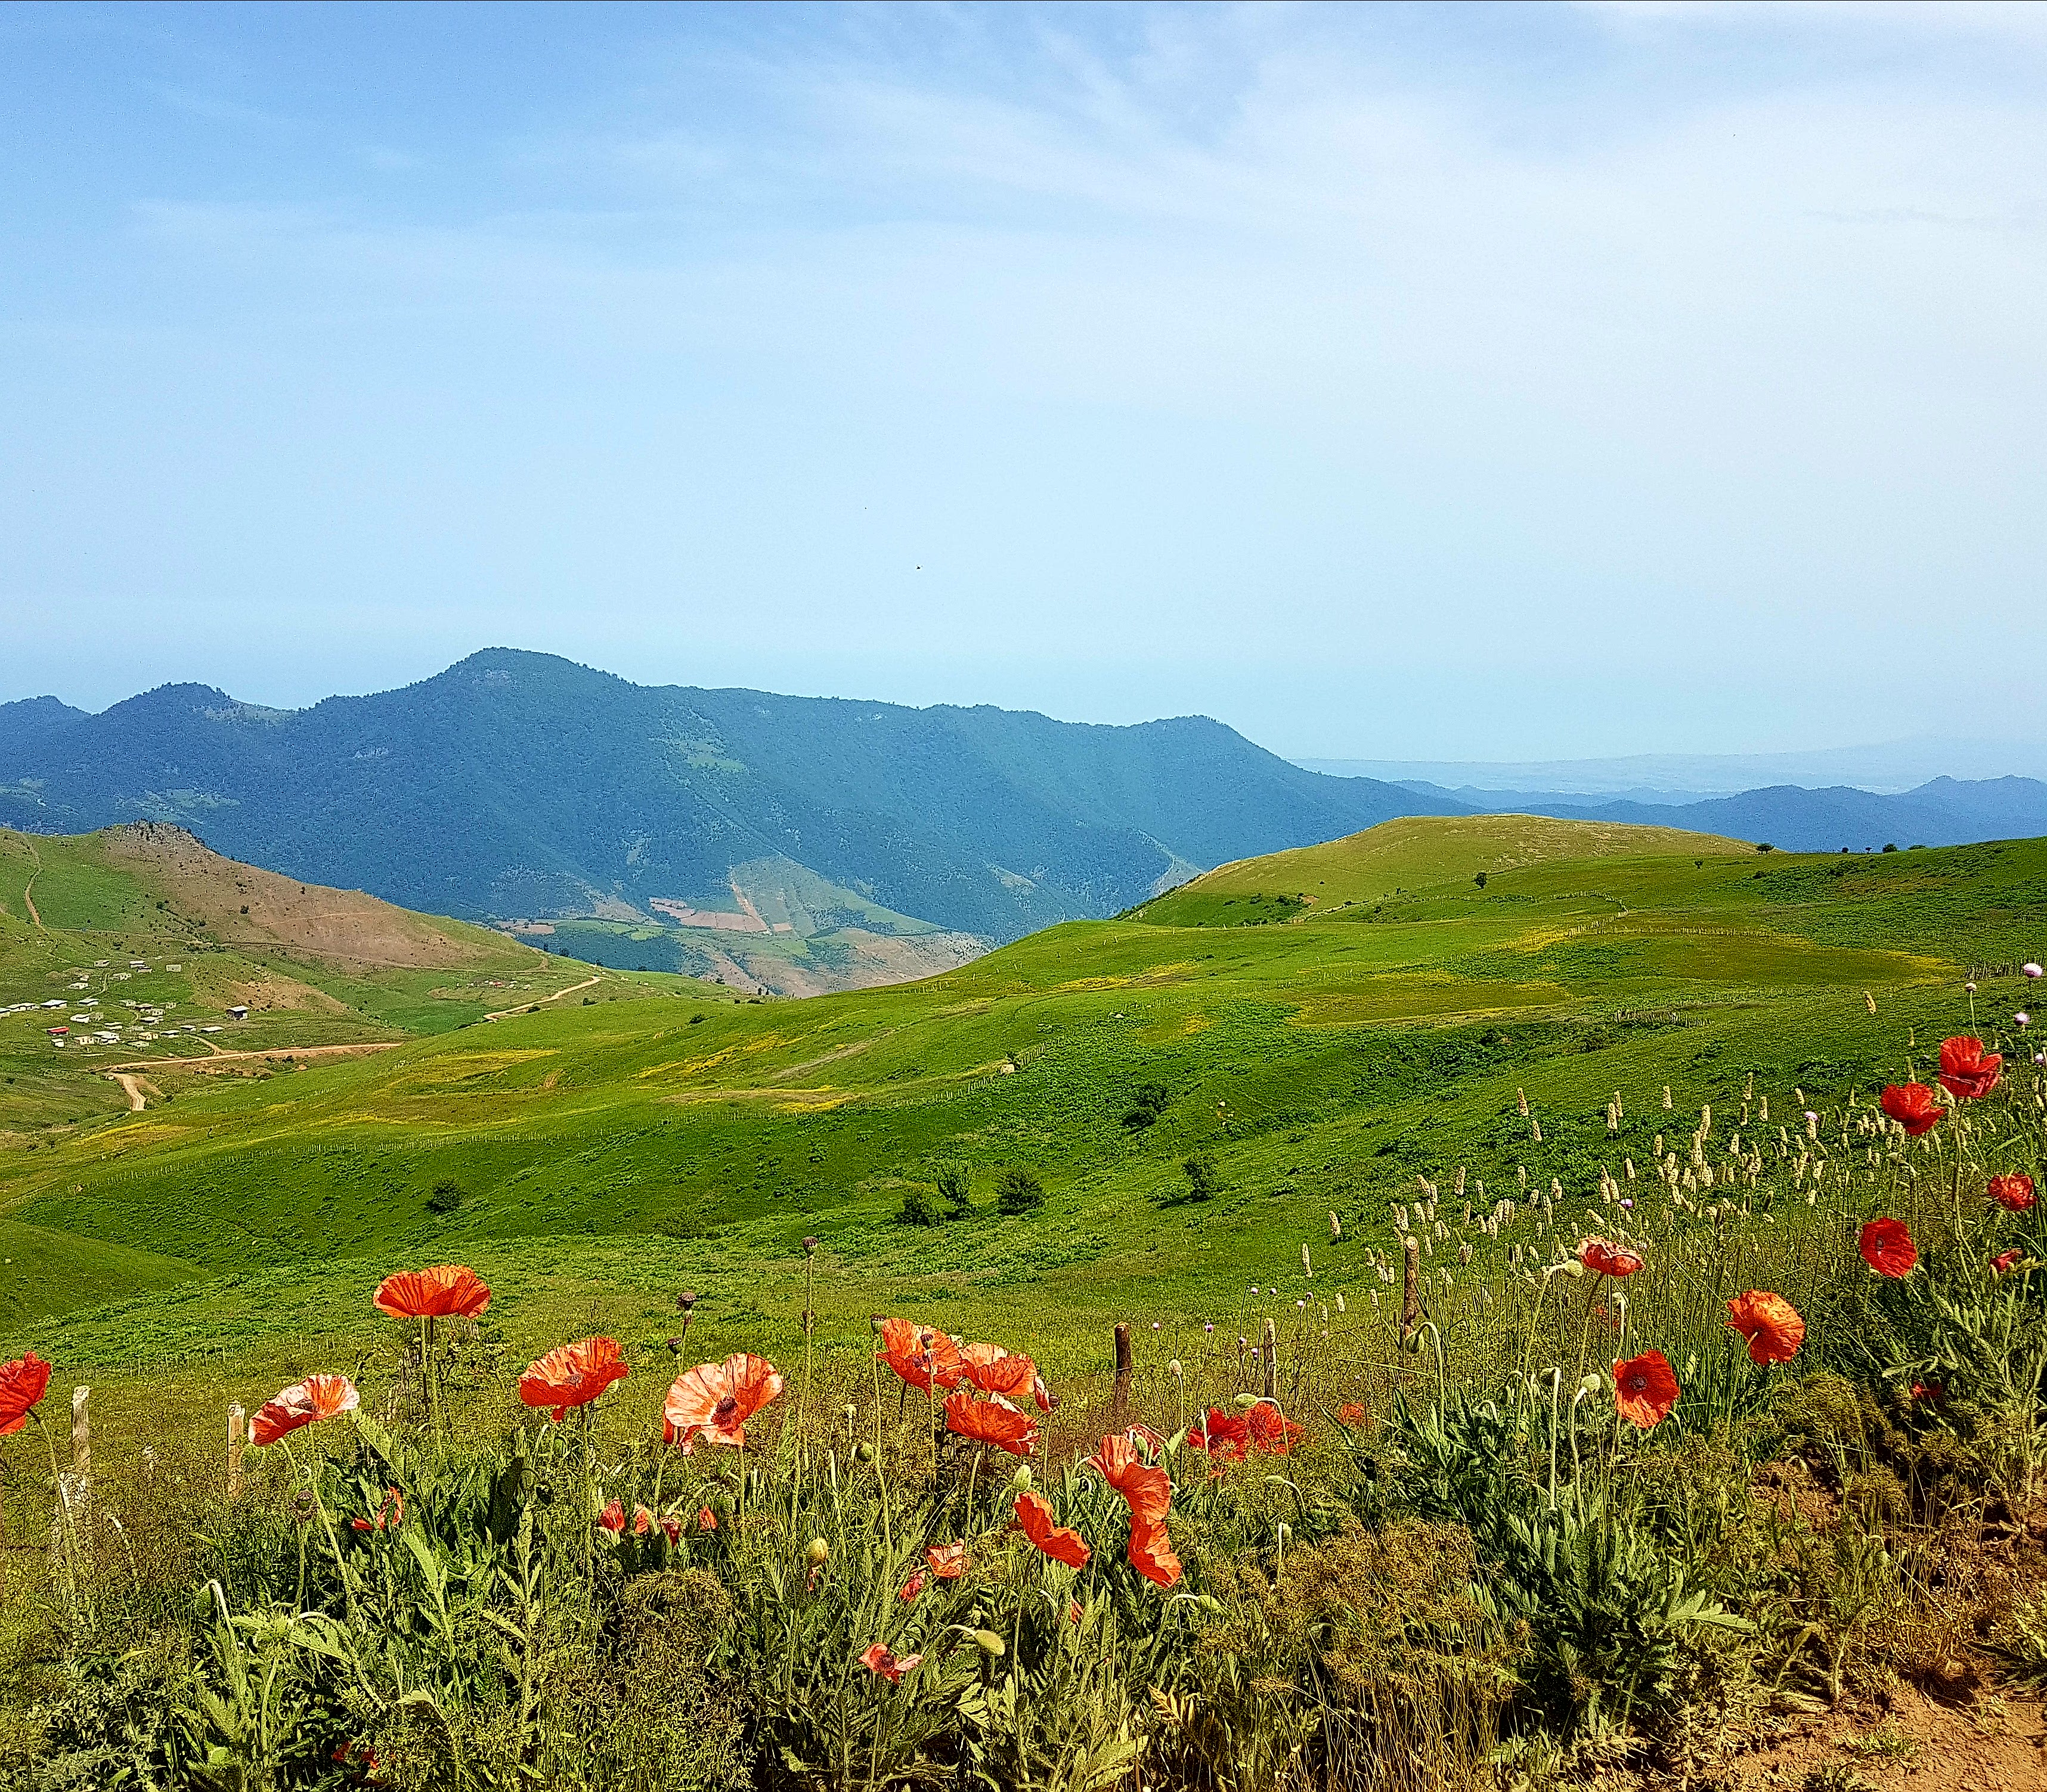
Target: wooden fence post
[1120, 1399]
[237, 1434]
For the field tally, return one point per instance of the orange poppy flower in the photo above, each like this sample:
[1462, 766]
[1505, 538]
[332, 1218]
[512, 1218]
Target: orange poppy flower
[1351, 1413]
[1152, 1554]
[643, 1521]
[1770, 1323]
[572, 1375]
[876, 1659]
[1913, 1106]
[390, 1513]
[912, 1586]
[706, 1519]
[993, 1420]
[1607, 1258]
[714, 1400]
[922, 1355]
[303, 1403]
[1269, 1429]
[2014, 1193]
[22, 1384]
[1645, 1388]
[612, 1518]
[448, 1290]
[1967, 1071]
[995, 1370]
[948, 1561]
[2001, 1264]
[1034, 1513]
[1227, 1434]
[1887, 1248]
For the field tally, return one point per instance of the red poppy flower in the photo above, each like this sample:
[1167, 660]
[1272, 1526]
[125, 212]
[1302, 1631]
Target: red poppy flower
[1034, 1513]
[390, 1513]
[1967, 1071]
[1227, 1434]
[2014, 1193]
[2001, 1264]
[948, 1561]
[922, 1355]
[612, 1518]
[572, 1375]
[714, 1400]
[706, 1519]
[22, 1384]
[643, 1521]
[448, 1290]
[995, 1370]
[1270, 1429]
[303, 1403]
[1645, 1388]
[876, 1659]
[912, 1586]
[1152, 1554]
[1607, 1258]
[1351, 1413]
[1770, 1323]
[1932, 1392]
[993, 1420]
[1913, 1106]
[1887, 1248]
[672, 1528]
[1072, 1611]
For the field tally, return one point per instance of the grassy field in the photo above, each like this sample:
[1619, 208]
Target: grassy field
[667, 1135]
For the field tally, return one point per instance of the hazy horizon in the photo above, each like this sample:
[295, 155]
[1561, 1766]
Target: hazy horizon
[1465, 385]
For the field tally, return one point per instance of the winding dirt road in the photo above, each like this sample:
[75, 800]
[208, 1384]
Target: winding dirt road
[527, 1007]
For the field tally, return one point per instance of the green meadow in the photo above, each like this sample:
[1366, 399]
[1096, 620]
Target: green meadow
[654, 1134]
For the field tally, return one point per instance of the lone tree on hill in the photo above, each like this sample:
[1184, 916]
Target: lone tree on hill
[954, 1190]
[1018, 1192]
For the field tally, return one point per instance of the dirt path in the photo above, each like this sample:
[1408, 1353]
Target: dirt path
[132, 1089]
[28, 901]
[527, 1007]
[221, 1057]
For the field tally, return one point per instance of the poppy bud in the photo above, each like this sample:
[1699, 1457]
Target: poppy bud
[1021, 1479]
[675, 1345]
[819, 1552]
[863, 1452]
[989, 1644]
[810, 1245]
[685, 1302]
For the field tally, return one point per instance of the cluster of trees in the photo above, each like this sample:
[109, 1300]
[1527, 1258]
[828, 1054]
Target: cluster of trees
[1016, 1192]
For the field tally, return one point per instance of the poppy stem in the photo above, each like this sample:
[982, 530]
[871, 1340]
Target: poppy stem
[880, 1483]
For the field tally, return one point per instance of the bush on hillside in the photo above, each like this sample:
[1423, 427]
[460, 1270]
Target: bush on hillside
[1018, 1192]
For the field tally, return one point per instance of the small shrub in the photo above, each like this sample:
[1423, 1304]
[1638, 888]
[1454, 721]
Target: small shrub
[1146, 1105]
[1018, 1192]
[917, 1208]
[446, 1197]
[954, 1190]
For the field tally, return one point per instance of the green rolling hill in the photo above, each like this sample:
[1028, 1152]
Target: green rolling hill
[593, 1160]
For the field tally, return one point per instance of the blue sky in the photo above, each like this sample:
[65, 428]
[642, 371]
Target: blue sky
[1387, 382]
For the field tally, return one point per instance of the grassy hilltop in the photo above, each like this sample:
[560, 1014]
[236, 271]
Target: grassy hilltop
[1317, 1060]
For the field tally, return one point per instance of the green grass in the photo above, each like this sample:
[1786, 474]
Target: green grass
[645, 1142]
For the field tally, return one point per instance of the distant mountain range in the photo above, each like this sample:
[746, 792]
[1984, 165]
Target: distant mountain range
[799, 843]
[520, 787]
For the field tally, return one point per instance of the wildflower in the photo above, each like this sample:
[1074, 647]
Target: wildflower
[912, 1587]
[992, 1420]
[706, 1519]
[1269, 1429]
[612, 1518]
[448, 1290]
[2022, 1019]
[1608, 1258]
[303, 1403]
[1887, 1248]
[1034, 1513]
[1072, 1611]
[1913, 1106]
[1155, 1325]
[1351, 1413]
[1932, 1392]
[643, 1521]
[1210, 1327]
[2002, 1263]
[1770, 1323]
[1148, 1490]
[390, 1513]
[948, 1561]
[572, 1375]
[1967, 1071]
[2014, 1193]
[921, 1355]
[714, 1400]
[995, 1370]
[2030, 970]
[1645, 1388]
[22, 1383]
[876, 1659]
[1222, 1434]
